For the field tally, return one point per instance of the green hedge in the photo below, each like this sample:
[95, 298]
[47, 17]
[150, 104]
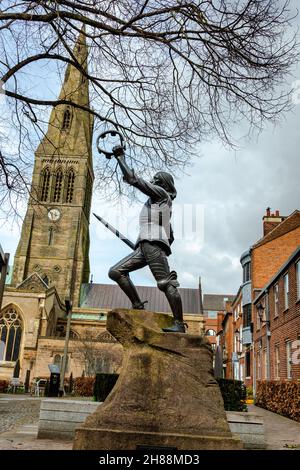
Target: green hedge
[104, 384]
[234, 394]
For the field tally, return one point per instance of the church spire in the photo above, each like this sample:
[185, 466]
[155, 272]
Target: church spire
[75, 86]
[68, 124]
[55, 233]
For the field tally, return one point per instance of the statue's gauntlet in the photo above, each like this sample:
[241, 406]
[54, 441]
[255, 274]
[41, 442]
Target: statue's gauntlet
[128, 173]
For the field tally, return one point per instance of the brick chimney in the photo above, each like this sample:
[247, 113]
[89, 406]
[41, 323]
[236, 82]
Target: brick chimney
[271, 220]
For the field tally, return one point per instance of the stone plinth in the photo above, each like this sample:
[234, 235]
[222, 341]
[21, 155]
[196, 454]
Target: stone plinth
[166, 395]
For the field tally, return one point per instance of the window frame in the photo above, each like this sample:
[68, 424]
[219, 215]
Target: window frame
[247, 364]
[264, 364]
[247, 315]
[14, 329]
[45, 187]
[298, 280]
[259, 365]
[276, 300]
[277, 362]
[67, 119]
[247, 272]
[58, 185]
[286, 290]
[288, 352]
[70, 183]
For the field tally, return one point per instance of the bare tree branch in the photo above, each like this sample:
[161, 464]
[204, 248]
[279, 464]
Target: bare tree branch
[169, 73]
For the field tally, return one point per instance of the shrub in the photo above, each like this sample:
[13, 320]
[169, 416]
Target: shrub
[234, 394]
[280, 397]
[250, 392]
[3, 386]
[83, 386]
[104, 384]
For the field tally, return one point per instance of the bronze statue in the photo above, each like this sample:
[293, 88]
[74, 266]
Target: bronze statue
[153, 244]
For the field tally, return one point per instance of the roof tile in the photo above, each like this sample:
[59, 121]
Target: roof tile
[111, 296]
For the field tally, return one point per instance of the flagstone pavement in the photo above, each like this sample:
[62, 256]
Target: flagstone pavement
[19, 425]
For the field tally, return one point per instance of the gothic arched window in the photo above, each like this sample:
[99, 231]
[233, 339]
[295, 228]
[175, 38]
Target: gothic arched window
[45, 186]
[88, 195]
[66, 119]
[58, 185]
[58, 359]
[70, 185]
[10, 335]
[73, 335]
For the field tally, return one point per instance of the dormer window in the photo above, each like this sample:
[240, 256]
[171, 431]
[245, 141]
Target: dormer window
[66, 120]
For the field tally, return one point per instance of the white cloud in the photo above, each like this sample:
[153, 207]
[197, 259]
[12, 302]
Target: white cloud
[187, 278]
[234, 188]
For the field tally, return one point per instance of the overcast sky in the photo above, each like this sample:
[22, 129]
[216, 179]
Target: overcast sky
[233, 189]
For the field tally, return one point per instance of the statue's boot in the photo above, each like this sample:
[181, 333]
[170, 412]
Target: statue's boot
[175, 302]
[129, 289]
[178, 327]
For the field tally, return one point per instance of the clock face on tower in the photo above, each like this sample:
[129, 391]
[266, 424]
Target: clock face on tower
[54, 215]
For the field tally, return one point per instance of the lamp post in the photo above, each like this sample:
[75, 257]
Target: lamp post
[4, 258]
[260, 310]
[68, 306]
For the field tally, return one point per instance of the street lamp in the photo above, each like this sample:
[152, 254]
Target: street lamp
[260, 310]
[68, 306]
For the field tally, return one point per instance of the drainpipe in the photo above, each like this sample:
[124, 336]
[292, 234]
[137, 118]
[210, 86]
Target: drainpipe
[268, 336]
[68, 306]
[254, 368]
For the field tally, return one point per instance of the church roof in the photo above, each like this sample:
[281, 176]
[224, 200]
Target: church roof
[33, 283]
[111, 296]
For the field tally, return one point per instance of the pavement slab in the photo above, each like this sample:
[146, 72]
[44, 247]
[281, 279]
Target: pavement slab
[19, 426]
[281, 433]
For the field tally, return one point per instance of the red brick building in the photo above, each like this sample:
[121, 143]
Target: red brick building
[238, 351]
[225, 341]
[251, 344]
[234, 330]
[214, 309]
[281, 238]
[276, 324]
[236, 355]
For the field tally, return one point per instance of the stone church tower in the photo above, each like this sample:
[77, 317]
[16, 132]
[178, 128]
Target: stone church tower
[52, 258]
[55, 235]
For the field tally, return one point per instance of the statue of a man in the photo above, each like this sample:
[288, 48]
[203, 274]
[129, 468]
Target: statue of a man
[153, 244]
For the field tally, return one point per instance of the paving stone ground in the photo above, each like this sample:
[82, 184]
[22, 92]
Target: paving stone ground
[281, 433]
[19, 425]
[25, 438]
[17, 411]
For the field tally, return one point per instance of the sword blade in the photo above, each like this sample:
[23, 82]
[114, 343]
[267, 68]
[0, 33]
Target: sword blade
[115, 231]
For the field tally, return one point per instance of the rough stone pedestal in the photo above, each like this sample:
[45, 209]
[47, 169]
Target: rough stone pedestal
[166, 395]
